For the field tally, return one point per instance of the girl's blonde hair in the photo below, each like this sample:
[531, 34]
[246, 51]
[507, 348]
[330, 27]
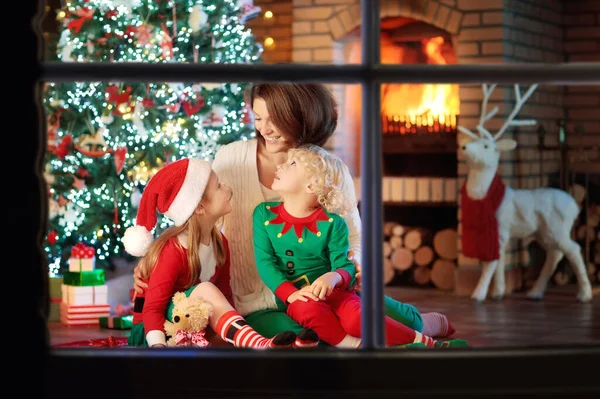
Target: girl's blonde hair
[330, 177]
[194, 232]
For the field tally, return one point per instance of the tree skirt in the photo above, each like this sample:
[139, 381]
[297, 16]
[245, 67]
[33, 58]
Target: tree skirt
[109, 342]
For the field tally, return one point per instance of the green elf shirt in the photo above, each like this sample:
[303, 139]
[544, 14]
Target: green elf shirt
[293, 252]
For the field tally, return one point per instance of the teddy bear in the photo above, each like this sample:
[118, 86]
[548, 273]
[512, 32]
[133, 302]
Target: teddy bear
[188, 321]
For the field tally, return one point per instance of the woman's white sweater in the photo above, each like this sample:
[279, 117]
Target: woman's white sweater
[236, 166]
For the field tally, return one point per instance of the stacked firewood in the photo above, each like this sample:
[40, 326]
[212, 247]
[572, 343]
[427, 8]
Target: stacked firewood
[586, 232]
[419, 256]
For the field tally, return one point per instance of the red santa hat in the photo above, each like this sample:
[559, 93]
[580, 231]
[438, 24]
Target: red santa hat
[175, 191]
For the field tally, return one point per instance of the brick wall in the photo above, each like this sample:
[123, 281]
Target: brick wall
[582, 44]
[279, 27]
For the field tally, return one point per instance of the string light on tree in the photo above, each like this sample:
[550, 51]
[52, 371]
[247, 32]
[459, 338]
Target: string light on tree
[107, 139]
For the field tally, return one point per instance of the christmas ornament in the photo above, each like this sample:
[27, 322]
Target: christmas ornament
[144, 34]
[192, 108]
[93, 145]
[48, 176]
[217, 115]
[137, 120]
[53, 208]
[52, 237]
[198, 18]
[136, 197]
[107, 118]
[166, 43]
[120, 154]
[84, 14]
[248, 10]
[79, 184]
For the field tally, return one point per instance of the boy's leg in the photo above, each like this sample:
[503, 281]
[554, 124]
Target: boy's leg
[432, 324]
[270, 322]
[402, 312]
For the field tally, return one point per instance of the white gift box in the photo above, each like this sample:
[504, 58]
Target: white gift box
[86, 295]
[86, 315]
[82, 264]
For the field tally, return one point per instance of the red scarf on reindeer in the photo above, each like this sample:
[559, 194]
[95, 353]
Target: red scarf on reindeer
[479, 225]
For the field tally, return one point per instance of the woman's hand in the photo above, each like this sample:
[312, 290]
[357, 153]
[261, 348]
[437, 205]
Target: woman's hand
[139, 284]
[357, 283]
[324, 285]
[302, 295]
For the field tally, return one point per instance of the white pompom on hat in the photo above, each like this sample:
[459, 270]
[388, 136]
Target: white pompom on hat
[175, 191]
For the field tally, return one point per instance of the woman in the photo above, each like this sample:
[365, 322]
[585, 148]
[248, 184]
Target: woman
[286, 115]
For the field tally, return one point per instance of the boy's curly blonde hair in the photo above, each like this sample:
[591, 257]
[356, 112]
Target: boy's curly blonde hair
[330, 177]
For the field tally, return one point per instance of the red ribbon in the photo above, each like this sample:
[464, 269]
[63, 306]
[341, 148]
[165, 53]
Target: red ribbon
[191, 109]
[86, 15]
[186, 338]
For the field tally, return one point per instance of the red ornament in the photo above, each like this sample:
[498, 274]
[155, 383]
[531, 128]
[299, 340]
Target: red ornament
[52, 236]
[120, 154]
[191, 109]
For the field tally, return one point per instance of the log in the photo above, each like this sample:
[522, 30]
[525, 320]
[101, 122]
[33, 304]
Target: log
[578, 192]
[591, 270]
[424, 256]
[581, 232]
[402, 259]
[398, 230]
[442, 274]
[395, 242]
[388, 227]
[387, 249]
[422, 275]
[560, 278]
[388, 271]
[596, 257]
[592, 219]
[416, 237]
[445, 244]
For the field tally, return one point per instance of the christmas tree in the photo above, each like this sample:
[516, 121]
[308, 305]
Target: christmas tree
[106, 139]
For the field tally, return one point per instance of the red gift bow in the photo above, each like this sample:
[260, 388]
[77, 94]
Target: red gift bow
[186, 338]
[85, 14]
[80, 250]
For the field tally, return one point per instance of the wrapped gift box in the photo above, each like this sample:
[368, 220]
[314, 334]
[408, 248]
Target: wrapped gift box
[116, 322]
[86, 315]
[82, 258]
[87, 295]
[55, 297]
[94, 277]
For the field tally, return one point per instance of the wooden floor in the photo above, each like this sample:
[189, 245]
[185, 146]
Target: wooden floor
[514, 321]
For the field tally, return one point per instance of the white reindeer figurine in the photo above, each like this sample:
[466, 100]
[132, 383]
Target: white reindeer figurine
[492, 213]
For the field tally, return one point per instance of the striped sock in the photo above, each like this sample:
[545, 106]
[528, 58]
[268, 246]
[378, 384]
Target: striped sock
[430, 342]
[235, 330]
[436, 325]
[306, 339]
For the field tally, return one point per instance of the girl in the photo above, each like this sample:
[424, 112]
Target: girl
[301, 250]
[191, 256]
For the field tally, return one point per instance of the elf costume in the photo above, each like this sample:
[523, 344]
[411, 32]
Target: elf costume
[292, 253]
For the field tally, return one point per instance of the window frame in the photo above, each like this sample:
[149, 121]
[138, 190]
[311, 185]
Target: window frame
[71, 372]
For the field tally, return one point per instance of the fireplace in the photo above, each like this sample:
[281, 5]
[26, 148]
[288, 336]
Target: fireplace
[419, 129]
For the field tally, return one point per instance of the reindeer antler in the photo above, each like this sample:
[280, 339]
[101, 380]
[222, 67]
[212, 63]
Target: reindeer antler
[486, 116]
[511, 121]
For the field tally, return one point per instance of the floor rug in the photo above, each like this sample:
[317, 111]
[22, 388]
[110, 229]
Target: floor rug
[109, 342]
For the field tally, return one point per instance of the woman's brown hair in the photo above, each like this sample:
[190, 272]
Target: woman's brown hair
[305, 111]
[193, 230]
